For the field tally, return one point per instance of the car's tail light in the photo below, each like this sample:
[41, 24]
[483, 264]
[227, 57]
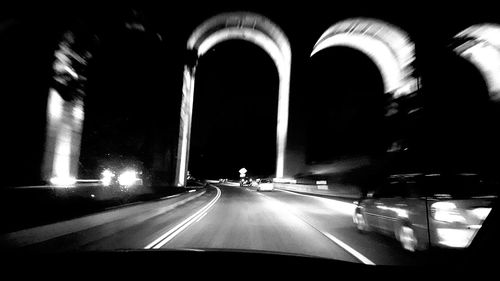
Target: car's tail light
[481, 213]
[446, 212]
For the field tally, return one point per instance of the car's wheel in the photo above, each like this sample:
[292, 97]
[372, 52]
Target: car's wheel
[407, 238]
[360, 222]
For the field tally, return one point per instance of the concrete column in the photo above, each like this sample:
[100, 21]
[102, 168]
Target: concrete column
[62, 148]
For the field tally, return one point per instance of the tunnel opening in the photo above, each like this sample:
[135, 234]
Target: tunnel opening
[234, 112]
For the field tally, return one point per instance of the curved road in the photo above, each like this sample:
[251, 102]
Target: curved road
[221, 216]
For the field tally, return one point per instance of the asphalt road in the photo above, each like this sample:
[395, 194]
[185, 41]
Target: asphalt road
[222, 217]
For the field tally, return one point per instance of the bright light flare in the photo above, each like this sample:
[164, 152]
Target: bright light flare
[455, 238]
[481, 213]
[63, 181]
[128, 178]
[107, 177]
[446, 212]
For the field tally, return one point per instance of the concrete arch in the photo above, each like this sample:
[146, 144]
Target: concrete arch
[388, 46]
[245, 26]
[481, 46]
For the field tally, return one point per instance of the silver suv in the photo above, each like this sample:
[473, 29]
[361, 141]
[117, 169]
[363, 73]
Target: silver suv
[427, 210]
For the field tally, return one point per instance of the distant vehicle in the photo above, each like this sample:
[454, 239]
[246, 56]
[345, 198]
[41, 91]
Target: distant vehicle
[423, 211]
[265, 185]
[246, 181]
[223, 180]
[121, 178]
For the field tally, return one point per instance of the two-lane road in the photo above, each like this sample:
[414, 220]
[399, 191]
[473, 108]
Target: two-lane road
[245, 219]
[228, 217]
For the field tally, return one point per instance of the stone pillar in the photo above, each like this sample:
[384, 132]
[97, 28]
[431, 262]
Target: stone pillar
[62, 147]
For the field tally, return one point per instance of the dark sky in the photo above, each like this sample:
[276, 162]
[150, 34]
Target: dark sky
[345, 116]
[135, 82]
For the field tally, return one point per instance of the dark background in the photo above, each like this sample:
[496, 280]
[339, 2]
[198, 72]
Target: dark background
[135, 81]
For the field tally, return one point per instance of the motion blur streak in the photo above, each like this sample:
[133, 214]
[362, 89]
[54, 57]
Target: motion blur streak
[169, 235]
[346, 247]
[457, 238]
[482, 48]
[388, 46]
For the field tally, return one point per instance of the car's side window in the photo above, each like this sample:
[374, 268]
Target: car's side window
[412, 190]
[395, 189]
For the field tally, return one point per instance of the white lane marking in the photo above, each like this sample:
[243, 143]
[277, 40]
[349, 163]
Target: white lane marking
[337, 241]
[169, 235]
[171, 196]
[183, 225]
[348, 248]
[199, 219]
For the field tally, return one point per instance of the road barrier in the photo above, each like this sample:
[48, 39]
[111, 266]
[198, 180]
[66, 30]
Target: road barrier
[330, 189]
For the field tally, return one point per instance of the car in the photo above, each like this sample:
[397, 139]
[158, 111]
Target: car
[427, 210]
[265, 185]
[121, 178]
[246, 181]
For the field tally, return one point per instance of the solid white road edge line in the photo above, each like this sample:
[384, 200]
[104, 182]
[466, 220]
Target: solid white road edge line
[348, 248]
[169, 235]
[171, 196]
[335, 240]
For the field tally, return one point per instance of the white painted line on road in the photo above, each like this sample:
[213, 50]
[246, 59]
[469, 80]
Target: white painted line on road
[171, 196]
[341, 244]
[348, 248]
[199, 219]
[169, 235]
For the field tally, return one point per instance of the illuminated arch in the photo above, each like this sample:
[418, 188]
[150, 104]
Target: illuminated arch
[389, 47]
[482, 48]
[245, 26]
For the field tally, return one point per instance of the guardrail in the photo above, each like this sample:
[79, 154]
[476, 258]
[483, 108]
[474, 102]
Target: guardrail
[321, 188]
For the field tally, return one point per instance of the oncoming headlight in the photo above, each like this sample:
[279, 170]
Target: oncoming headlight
[107, 177]
[128, 178]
